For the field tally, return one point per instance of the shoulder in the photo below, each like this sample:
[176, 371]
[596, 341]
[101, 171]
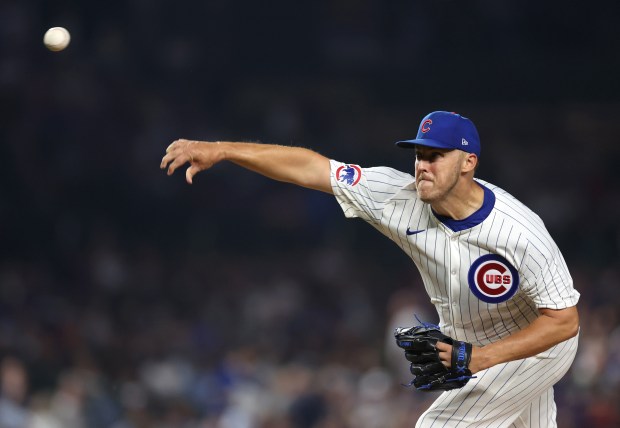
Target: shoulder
[378, 176]
[365, 192]
[526, 225]
[389, 175]
[511, 207]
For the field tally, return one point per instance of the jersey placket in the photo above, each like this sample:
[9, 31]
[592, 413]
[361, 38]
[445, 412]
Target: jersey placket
[454, 281]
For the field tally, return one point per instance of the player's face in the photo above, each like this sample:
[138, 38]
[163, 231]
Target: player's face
[437, 172]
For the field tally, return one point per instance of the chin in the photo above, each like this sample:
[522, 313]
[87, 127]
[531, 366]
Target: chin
[424, 193]
[426, 200]
[430, 197]
[425, 197]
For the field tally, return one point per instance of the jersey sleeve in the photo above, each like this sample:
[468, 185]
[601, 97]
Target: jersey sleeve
[548, 281]
[363, 192]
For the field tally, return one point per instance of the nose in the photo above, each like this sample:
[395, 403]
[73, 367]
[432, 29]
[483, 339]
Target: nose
[421, 165]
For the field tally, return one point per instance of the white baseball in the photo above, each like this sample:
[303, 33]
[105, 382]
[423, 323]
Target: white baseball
[56, 38]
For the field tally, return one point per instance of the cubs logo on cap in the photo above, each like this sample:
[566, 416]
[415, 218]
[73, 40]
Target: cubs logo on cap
[446, 130]
[349, 174]
[493, 279]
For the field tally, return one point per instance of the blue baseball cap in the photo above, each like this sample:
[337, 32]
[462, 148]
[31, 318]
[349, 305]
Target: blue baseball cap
[446, 130]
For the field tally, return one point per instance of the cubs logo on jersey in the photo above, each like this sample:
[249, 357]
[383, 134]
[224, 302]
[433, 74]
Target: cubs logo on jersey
[349, 174]
[493, 279]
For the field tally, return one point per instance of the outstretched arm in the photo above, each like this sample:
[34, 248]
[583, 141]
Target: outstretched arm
[549, 329]
[294, 165]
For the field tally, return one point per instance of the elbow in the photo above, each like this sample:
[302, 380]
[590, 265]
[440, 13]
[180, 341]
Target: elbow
[571, 323]
[574, 326]
[565, 322]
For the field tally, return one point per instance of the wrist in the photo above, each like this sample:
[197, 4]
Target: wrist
[222, 152]
[481, 358]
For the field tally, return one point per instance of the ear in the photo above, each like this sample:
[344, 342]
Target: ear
[470, 162]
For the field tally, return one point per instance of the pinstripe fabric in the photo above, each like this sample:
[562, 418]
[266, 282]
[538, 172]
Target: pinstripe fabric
[387, 199]
[518, 393]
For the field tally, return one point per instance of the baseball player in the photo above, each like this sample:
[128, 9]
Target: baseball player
[495, 276]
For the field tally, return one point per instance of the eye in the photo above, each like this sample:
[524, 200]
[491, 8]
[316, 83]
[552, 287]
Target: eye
[429, 156]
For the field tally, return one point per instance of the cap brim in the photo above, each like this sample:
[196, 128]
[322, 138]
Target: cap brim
[410, 144]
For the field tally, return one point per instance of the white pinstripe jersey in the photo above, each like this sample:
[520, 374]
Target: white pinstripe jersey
[486, 275]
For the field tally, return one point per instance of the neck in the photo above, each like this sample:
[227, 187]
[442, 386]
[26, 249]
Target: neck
[465, 199]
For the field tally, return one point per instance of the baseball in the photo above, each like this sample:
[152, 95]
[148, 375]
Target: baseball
[56, 38]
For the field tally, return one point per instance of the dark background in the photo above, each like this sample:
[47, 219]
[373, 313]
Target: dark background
[130, 299]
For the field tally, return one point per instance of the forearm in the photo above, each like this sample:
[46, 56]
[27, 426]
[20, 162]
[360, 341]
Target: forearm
[295, 165]
[549, 329]
[290, 164]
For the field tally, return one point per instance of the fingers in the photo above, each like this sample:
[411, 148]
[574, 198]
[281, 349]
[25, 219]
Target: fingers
[445, 353]
[177, 162]
[176, 155]
[176, 143]
[442, 346]
[166, 160]
[190, 172]
[184, 151]
[169, 156]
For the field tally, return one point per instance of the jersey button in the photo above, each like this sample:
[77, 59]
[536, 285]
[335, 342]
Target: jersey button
[453, 272]
[453, 238]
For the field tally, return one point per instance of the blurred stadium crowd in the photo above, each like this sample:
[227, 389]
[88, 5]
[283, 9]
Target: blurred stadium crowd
[129, 299]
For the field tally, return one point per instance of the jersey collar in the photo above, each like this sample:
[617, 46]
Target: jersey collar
[473, 220]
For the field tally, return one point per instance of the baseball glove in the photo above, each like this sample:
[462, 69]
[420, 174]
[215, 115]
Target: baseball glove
[419, 343]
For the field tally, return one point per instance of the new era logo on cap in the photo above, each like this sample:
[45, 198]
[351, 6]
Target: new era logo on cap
[446, 130]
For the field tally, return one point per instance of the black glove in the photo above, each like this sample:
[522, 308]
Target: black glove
[419, 343]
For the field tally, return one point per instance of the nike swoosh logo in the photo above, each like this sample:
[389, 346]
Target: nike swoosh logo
[414, 232]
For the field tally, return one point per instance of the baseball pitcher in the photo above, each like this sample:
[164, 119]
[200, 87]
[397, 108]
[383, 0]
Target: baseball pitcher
[508, 322]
